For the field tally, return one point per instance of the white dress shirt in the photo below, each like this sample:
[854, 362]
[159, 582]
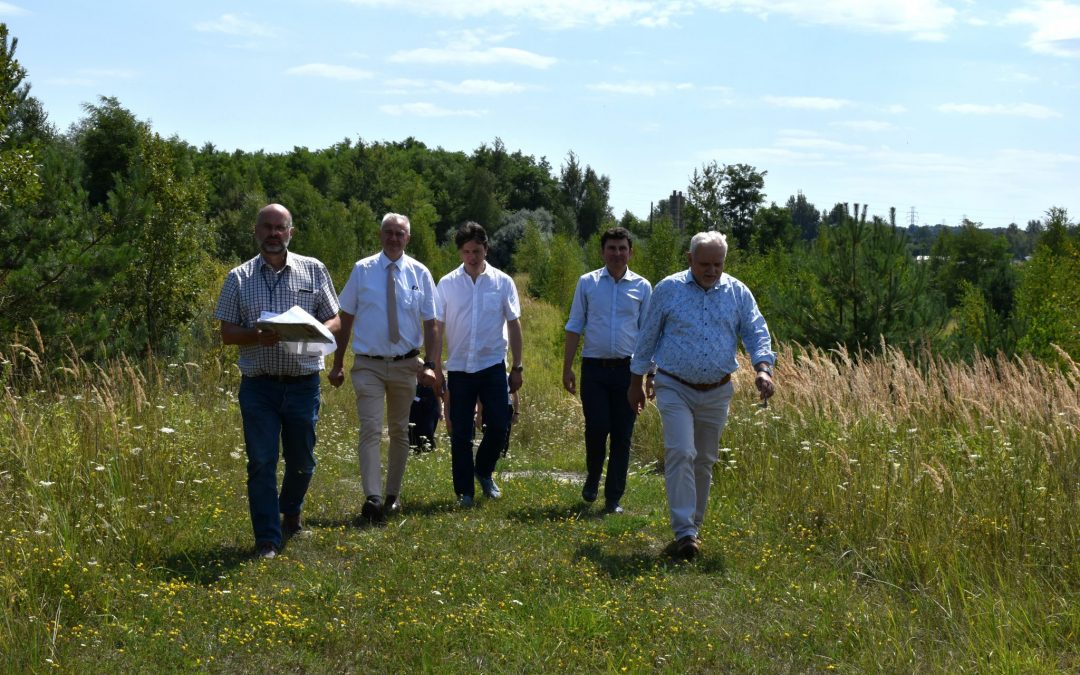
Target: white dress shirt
[475, 315]
[364, 296]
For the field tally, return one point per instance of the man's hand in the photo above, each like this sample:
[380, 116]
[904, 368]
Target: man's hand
[764, 384]
[650, 388]
[635, 396]
[426, 377]
[268, 337]
[515, 380]
[569, 382]
[336, 376]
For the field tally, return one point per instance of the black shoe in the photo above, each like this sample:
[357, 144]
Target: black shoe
[610, 508]
[465, 501]
[266, 550]
[292, 526]
[372, 511]
[588, 493]
[392, 506]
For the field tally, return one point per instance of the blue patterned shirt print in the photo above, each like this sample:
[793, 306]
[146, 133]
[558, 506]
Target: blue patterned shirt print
[694, 333]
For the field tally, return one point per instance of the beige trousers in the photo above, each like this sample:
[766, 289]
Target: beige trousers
[376, 382]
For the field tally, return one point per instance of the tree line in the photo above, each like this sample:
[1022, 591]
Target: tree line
[114, 239]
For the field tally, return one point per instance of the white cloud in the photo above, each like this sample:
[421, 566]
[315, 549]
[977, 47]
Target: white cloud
[472, 57]
[231, 24]
[922, 19]
[1031, 110]
[329, 71]
[866, 125]
[481, 87]
[554, 13]
[465, 87]
[807, 102]
[1056, 27]
[640, 88]
[427, 110]
[8, 9]
[802, 139]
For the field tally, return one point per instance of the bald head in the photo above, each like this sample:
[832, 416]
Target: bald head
[273, 229]
[277, 211]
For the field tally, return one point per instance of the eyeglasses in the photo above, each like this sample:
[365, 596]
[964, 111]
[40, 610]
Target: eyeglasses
[278, 229]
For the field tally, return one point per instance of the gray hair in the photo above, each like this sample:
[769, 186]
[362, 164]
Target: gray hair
[709, 237]
[396, 217]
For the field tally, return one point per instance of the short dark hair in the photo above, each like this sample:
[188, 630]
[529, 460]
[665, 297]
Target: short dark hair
[470, 231]
[617, 233]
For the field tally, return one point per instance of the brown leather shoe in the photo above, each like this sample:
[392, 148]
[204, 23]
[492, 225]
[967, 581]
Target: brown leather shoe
[689, 547]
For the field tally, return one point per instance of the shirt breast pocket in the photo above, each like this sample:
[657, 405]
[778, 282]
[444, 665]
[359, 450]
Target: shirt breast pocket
[492, 302]
[410, 298]
[304, 297]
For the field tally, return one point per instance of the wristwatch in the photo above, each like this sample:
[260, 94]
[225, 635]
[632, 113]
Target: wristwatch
[764, 368]
[516, 369]
[428, 365]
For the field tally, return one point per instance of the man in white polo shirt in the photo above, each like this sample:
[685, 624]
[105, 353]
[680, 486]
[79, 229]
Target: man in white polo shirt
[388, 307]
[479, 311]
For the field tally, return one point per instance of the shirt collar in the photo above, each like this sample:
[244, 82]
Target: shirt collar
[385, 261]
[264, 263]
[688, 278]
[628, 274]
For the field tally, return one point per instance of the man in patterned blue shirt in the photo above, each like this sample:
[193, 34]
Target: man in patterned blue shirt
[608, 309]
[279, 390]
[691, 333]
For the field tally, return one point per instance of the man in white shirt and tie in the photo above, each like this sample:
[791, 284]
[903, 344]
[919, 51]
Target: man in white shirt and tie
[479, 309]
[393, 296]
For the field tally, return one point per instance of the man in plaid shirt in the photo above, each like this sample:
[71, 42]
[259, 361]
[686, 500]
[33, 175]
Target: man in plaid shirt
[279, 391]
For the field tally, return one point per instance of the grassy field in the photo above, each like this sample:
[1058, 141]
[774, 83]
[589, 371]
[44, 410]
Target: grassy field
[878, 516]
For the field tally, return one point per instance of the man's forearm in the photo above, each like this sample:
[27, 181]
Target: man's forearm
[570, 350]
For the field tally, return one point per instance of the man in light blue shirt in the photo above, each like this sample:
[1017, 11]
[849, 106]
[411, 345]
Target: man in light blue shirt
[691, 333]
[608, 309]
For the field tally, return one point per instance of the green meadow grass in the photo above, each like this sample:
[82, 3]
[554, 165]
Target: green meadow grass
[877, 516]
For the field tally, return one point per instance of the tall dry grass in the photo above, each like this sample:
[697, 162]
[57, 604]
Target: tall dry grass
[947, 489]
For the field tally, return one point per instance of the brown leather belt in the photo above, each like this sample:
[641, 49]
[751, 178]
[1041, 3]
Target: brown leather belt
[707, 386]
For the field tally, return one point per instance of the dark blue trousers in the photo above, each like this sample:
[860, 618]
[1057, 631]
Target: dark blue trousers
[607, 415]
[489, 387]
[278, 415]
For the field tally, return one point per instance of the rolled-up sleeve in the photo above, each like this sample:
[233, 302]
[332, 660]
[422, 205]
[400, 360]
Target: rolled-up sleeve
[578, 313]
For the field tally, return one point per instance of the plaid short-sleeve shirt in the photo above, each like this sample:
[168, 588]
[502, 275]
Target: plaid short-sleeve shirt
[255, 287]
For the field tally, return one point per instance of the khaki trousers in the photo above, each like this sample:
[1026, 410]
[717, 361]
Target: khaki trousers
[393, 383]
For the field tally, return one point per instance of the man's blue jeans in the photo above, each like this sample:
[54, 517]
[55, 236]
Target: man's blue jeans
[607, 414]
[274, 411]
[490, 388]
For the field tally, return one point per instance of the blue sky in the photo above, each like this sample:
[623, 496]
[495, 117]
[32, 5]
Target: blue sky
[952, 108]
